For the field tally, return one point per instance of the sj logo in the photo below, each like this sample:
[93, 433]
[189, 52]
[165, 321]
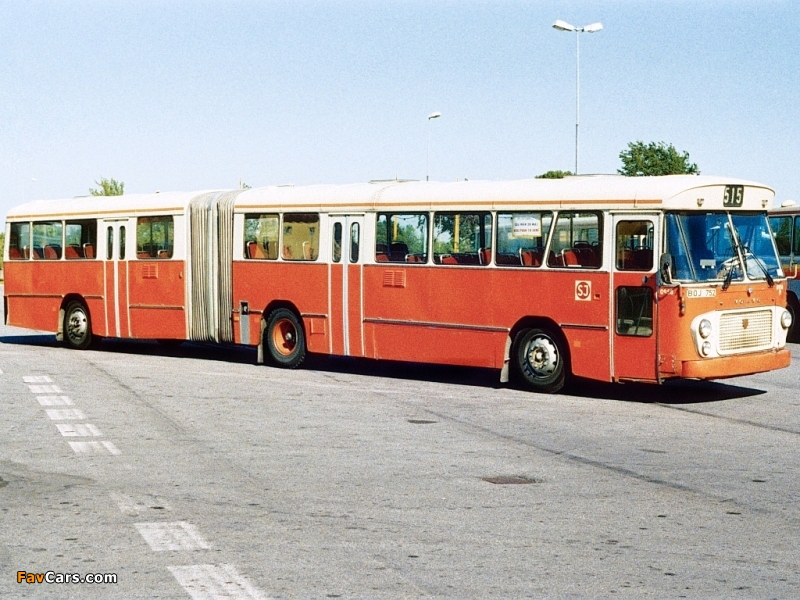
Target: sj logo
[583, 290]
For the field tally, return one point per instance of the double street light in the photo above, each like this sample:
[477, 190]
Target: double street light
[564, 26]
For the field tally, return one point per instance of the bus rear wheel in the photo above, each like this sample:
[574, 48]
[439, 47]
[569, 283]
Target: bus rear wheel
[285, 339]
[539, 360]
[77, 326]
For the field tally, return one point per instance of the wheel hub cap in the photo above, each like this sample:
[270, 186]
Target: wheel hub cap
[542, 356]
[77, 326]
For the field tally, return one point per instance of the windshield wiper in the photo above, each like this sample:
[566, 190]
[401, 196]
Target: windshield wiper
[728, 278]
[767, 276]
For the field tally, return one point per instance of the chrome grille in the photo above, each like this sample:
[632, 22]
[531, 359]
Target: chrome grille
[741, 330]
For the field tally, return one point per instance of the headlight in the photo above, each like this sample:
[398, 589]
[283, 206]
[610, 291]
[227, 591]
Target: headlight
[704, 328]
[786, 319]
[706, 348]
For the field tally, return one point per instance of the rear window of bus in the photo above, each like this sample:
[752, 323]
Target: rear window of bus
[19, 241]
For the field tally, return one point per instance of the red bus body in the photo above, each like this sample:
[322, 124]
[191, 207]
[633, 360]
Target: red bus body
[202, 281]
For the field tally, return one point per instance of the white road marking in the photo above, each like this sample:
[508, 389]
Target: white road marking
[45, 389]
[94, 448]
[54, 400]
[134, 506]
[172, 536]
[65, 414]
[78, 430]
[215, 582]
[37, 379]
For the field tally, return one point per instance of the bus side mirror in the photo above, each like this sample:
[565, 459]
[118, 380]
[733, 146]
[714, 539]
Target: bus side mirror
[664, 273]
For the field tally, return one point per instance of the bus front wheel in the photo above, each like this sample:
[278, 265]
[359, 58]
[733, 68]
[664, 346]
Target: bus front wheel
[539, 360]
[285, 339]
[793, 306]
[77, 326]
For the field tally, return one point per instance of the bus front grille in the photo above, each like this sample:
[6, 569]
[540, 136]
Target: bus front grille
[742, 330]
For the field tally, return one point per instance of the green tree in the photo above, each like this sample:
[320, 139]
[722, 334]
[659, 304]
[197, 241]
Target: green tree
[554, 175]
[108, 187]
[655, 159]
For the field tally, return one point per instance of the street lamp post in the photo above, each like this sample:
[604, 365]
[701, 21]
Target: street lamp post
[564, 26]
[433, 115]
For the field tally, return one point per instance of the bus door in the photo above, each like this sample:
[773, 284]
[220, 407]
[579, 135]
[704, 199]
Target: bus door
[633, 287]
[115, 275]
[346, 281]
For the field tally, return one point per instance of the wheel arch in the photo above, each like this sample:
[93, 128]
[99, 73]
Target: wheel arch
[529, 322]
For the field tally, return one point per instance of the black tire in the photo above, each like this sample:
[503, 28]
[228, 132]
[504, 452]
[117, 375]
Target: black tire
[285, 339]
[77, 326]
[793, 335]
[539, 360]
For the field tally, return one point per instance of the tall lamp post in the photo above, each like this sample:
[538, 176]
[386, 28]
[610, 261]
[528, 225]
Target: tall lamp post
[564, 26]
[433, 115]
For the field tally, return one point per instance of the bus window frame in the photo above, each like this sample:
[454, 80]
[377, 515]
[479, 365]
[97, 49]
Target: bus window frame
[456, 257]
[157, 254]
[578, 247]
[408, 258]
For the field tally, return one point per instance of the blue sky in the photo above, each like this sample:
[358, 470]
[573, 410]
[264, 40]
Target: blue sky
[173, 95]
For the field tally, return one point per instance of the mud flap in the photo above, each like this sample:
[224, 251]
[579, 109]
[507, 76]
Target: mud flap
[260, 358]
[504, 372]
[60, 330]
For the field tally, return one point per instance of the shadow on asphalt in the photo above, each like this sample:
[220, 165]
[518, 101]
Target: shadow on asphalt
[672, 392]
[685, 391]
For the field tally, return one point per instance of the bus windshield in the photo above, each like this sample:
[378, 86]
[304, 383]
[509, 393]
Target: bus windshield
[704, 247]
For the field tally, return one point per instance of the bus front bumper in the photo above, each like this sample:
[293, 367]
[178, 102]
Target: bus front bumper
[734, 366]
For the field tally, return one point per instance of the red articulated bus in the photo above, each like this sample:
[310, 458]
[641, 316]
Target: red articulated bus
[603, 277]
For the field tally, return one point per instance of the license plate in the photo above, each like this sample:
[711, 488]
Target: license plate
[701, 293]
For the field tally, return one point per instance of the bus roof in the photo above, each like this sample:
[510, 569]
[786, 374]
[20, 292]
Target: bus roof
[674, 192]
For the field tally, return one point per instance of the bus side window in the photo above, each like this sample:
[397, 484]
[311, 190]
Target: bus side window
[261, 237]
[155, 237]
[462, 238]
[80, 239]
[337, 242]
[782, 232]
[634, 246]
[354, 242]
[300, 236]
[401, 237]
[521, 238]
[577, 241]
[47, 240]
[19, 241]
[796, 247]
